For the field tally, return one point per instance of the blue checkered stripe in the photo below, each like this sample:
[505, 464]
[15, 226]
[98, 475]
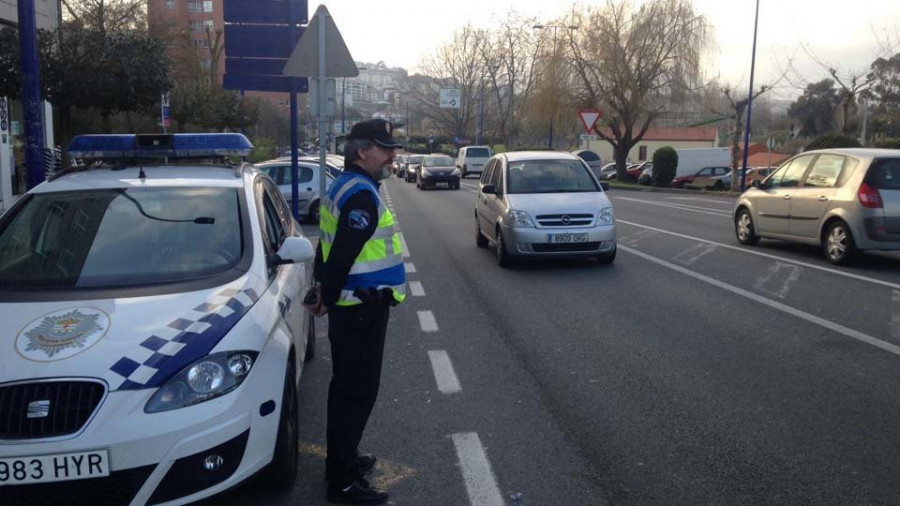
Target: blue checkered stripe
[184, 340]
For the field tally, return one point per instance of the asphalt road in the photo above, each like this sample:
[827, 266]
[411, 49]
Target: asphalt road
[691, 371]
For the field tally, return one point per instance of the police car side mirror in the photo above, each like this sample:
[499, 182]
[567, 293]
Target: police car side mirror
[294, 250]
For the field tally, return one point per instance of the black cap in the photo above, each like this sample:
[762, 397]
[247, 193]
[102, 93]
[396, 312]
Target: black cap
[378, 131]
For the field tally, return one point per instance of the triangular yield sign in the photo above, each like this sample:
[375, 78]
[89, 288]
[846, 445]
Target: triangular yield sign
[304, 60]
[589, 119]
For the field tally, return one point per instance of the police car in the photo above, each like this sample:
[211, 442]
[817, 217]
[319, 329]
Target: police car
[151, 326]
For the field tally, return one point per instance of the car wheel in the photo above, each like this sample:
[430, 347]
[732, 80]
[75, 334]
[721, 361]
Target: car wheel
[839, 245]
[480, 240]
[310, 340]
[607, 258]
[282, 471]
[314, 211]
[718, 186]
[744, 229]
[504, 259]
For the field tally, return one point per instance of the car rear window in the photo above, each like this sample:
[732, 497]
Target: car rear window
[588, 156]
[478, 153]
[549, 176]
[438, 161]
[884, 174]
[416, 159]
[120, 237]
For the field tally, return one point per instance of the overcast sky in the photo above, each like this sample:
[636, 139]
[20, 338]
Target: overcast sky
[841, 33]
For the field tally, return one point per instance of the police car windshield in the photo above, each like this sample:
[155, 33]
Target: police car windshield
[120, 237]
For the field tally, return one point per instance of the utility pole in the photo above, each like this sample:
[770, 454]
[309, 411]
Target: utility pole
[749, 104]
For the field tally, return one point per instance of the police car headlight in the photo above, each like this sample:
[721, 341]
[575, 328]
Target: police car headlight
[210, 377]
[606, 216]
[519, 219]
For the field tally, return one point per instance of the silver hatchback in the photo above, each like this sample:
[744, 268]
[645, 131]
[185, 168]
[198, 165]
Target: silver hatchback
[845, 200]
[541, 204]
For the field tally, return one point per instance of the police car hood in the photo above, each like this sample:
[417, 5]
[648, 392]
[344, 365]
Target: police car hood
[131, 343]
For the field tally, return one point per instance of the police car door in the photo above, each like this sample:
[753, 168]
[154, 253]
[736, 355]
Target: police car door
[288, 281]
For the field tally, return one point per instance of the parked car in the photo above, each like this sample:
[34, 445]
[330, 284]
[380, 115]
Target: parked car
[412, 167]
[307, 183]
[607, 172]
[437, 169]
[541, 204]
[287, 153]
[711, 178]
[844, 200]
[758, 174]
[153, 325]
[471, 159]
[646, 177]
[634, 171]
[592, 159]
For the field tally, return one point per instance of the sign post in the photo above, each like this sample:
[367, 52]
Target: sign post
[6, 157]
[321, 53]
[164, 111]
[450, 98]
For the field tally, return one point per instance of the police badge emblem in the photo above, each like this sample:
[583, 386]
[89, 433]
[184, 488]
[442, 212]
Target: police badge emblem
[62, 334]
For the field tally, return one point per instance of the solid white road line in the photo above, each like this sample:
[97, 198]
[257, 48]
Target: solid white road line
[836, 327]
[476, 470]
[416, 288]
[726, 203]
[404, 246]
[427, 321]
[751, 251]
[409, 267]
[447, 383]
[681, 207]
[895, 315]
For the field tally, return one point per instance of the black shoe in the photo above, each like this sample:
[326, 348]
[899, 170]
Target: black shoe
[365, 463]
[357, 492]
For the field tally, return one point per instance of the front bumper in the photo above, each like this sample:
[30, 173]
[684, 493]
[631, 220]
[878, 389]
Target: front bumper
[535, 242]
[143, 448]
[436, 179]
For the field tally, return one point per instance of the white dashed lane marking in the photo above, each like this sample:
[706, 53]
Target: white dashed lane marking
[476, 470]
[444, 375]
[410, 267]
[416, 289]
[403, 244]
[427, 321]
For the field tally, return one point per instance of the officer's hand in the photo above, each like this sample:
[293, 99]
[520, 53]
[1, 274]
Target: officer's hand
[313, 301]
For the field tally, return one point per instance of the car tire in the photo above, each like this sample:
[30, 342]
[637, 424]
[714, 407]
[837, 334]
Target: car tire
[838, 244]
[744, 228]
[504, 259]
[607, 258]
[310, 340]
[719, 186]
[314, 212]
[282, 471]
[480, 240]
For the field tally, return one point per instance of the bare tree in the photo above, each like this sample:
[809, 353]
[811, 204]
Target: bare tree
[106, 15]
[629, 60]
[458, 64]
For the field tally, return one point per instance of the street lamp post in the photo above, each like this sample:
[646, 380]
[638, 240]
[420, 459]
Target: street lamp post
[553, 113]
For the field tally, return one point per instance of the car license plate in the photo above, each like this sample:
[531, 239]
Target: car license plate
[567, 238]
[49, 468]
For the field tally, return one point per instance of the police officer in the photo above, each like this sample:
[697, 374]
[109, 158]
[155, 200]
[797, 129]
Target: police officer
[360, 275]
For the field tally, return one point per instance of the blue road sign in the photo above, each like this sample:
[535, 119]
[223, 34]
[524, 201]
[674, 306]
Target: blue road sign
[264, 11]
[259, 41]
[255, 82]
[255, 66]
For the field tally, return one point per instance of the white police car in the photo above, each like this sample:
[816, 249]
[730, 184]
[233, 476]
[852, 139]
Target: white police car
[151, 326]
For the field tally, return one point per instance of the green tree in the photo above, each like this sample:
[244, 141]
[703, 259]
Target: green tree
[665, 165]
[831, 141]
[884, 95]
[815, 107]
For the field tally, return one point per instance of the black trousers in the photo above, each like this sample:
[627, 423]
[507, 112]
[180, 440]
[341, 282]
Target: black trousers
[357, 337]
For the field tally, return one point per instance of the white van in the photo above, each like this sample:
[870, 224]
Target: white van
[472, 159]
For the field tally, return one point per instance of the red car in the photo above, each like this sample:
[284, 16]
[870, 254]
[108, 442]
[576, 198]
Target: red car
[634, 171]
[681, 181]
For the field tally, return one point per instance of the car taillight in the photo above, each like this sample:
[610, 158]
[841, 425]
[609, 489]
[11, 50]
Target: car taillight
[869, 197]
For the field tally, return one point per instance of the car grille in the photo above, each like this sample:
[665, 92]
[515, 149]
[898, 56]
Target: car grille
[118, 488]
[565, 220]
[565, 247]
[70, 405]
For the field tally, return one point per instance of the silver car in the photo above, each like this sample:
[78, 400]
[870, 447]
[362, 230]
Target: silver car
[307, 183]
[542, 204]
[845, 200]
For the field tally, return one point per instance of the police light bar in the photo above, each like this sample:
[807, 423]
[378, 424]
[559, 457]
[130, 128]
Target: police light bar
[159, 145]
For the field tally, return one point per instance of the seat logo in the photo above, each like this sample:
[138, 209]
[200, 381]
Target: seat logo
[38, 409]
[566, 219]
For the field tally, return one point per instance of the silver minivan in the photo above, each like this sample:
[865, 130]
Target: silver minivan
[844, 200]
[543, 204]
